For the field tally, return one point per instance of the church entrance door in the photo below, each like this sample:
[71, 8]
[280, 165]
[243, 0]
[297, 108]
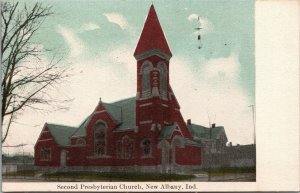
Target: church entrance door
[63, 157]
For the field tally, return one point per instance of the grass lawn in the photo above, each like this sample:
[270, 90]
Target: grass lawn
[113, 176]
[140, 177]
[119, 176]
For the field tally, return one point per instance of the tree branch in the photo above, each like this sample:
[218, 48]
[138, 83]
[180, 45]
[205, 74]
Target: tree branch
[26, 77]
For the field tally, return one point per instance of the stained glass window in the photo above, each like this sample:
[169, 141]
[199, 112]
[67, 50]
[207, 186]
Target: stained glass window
[125, 148]
[100, 139]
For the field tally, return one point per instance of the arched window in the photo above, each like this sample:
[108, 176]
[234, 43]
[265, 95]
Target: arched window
[125, 148]
[146, 147]
[145, 70]
[163, 79]
[80, 141]
[100, 139]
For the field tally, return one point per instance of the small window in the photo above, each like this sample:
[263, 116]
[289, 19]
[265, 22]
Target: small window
[146, 146]
[80, 141]
[45, 154]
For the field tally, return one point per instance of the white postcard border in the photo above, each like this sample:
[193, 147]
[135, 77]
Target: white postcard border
[277, 109]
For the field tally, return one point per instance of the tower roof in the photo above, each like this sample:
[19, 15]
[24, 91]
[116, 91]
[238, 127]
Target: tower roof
[152, 36]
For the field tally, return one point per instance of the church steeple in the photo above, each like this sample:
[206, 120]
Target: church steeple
[153, 101]
[152, 38]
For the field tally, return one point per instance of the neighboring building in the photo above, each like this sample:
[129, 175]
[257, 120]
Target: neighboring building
[18, 162]
[241, 155]
[213, 139]
[142, 133]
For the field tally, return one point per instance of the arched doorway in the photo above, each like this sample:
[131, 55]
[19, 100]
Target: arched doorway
[165, 150]
[177, 141]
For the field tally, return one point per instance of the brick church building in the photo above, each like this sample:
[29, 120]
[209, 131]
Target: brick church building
[144, 133]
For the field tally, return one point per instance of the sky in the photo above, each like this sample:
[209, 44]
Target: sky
[97, 39]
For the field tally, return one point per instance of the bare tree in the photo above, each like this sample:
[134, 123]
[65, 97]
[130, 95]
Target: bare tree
[26, 77]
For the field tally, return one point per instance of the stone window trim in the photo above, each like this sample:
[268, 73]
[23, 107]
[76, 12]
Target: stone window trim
[145, 122]
[146, 68]
[162, 65]
[145, 98]
[45, 154]
[152, 52]
[163, 87]
[146, 104]
[145, 64]
[99, 157]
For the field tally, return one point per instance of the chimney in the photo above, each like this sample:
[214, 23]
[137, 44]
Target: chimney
[189, 121]
[213, 125]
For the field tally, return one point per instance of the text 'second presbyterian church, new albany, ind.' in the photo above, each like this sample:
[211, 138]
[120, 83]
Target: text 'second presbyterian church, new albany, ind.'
[146, 133]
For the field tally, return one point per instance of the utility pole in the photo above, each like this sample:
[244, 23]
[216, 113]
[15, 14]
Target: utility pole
[253, 116]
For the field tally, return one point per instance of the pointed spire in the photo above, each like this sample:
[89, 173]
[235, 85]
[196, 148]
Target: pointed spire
[152, 36]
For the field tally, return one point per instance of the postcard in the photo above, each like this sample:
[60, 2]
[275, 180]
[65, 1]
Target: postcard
[137, 96]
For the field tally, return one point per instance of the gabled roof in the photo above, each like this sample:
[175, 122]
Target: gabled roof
[122, 112]
[192, 142]
[114, 111]
[152, 36]
[81, 131]
[204, 132]
[61, 133]
[167, 131]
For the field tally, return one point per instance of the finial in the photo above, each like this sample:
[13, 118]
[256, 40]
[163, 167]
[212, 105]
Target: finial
[100, 101]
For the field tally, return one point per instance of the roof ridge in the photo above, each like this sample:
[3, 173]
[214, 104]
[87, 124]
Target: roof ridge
[112, 104]
[121, 100]
[82, 123]
[60, 125]
[220, 126]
